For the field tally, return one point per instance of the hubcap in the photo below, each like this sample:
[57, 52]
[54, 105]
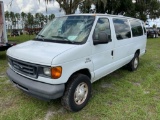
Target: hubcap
[81, 93]
[135, 62]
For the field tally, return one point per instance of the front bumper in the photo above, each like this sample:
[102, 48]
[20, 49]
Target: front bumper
[35, 88]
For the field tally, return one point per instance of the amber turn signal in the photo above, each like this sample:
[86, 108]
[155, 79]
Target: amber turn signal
[56, 72]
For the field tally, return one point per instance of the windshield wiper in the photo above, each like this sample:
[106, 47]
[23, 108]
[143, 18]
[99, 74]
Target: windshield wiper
[63, 38]
[42, 36]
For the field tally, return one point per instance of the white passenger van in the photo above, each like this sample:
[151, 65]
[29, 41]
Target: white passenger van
[73, 51]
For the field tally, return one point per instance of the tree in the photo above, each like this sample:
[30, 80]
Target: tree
[30, 20]
[12, 17]
[85, 6]
[17, 18]
[140, 9]
[69, 6]
[37, 19]
[23, 17]
[51, 17]
[147, 7]
[7, 15]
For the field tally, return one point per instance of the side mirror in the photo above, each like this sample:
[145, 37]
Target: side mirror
[102, 38]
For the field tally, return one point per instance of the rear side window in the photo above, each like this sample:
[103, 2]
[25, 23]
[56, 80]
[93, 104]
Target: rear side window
[136, 27]
[122, 28]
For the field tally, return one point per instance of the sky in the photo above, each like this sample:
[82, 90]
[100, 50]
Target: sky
[32, 6]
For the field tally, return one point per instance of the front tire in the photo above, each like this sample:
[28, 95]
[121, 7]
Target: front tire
[77, 93]
[133, 65]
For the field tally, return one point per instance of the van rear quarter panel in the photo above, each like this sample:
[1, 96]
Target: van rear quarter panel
[127, 47]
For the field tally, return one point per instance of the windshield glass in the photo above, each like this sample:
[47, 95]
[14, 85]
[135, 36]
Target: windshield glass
[70, 29]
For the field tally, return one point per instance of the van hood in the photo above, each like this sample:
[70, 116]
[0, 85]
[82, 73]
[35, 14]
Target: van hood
[38, 52]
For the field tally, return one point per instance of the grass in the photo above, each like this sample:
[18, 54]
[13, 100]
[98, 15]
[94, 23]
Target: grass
[122, 95]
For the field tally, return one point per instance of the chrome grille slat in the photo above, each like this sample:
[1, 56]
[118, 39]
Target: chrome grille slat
[16, 63]
[24, 67]
[25, 70]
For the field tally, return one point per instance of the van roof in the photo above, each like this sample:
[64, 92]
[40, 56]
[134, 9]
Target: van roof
[98, 14]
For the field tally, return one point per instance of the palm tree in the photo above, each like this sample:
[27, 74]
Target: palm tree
[37, 19]
[7, 16]
[17, 18]
[46, 19]
[23, 17]
[30, 20]
[51, 17]
[12, 17]
[42, 18]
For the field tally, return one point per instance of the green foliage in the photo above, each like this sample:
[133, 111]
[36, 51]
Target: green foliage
[154, 26]
[140, 9]
[28, 19]
[85, 6]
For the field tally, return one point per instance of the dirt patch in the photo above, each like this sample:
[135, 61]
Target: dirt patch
[51, 112]
[2, 75]
[146, 92]
[105, 85]
[136, 84]
[88, 116]
[156, 98]
[158, 66]
[5, 82]
[7, 103]
[116, 75]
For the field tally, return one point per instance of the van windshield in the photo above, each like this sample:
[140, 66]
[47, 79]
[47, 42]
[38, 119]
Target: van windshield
[67, 29]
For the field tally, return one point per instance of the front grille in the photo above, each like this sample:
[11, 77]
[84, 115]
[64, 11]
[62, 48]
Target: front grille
[25, 68]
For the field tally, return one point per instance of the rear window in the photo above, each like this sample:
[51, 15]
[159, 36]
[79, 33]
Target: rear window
[136, 27]
[122, 28]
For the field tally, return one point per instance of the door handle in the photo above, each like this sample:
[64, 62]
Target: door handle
[112, 52]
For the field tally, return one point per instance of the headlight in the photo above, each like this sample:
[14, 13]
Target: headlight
[47, 71]
[53, 72]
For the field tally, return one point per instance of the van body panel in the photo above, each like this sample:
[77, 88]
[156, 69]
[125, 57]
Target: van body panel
[101, 55]
[38, 52]
[99, 60]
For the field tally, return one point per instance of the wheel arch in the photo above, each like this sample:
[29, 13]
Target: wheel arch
[137, 52]
[84, 71]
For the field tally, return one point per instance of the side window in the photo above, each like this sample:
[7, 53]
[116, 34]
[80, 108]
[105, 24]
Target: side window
[102, 25]
[122, 28]
[136, 27]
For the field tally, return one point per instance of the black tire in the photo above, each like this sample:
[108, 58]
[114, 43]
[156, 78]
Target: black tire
[69, 98]
[133, 64]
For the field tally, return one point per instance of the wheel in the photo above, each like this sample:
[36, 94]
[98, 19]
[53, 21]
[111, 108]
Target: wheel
[77, 93]
[133, 65]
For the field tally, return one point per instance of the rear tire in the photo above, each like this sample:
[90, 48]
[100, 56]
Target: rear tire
[77, 93]
[133, 65]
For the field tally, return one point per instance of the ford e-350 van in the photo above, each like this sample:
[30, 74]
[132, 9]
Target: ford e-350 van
[73, 51]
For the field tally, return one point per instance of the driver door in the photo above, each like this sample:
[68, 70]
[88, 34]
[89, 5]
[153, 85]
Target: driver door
[102, 54]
